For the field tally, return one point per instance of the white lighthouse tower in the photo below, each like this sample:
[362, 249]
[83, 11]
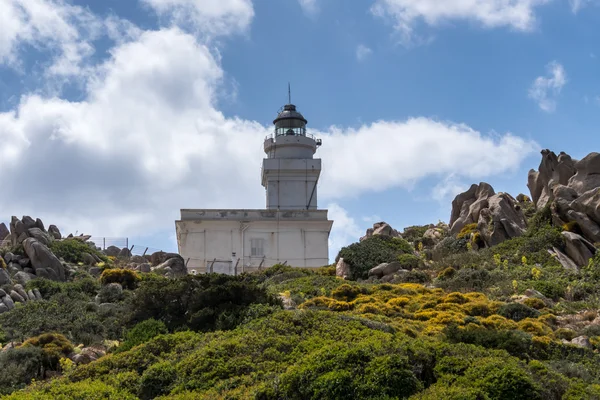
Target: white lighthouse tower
[290, 173]
[290, 230]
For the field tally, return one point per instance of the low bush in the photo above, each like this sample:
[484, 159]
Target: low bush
[141, 333]
[54, 346]
[364, 255]
[409, 261]
[126, 277]
[448, 246]
[467, 230]
[19, 367]
[517, 311]
[72, 250]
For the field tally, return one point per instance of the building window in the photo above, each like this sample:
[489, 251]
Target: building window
[257, 248]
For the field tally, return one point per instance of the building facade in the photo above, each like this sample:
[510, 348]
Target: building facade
[290, 230]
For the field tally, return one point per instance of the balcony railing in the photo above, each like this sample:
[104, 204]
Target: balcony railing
[274, 135]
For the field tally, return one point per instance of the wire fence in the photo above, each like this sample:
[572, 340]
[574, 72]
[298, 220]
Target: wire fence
[105, 242]
[232, 266]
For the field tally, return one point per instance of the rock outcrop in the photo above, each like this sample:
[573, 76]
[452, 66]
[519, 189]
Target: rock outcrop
[342, 269]
[173, 266]
[381, 228]
[571, 188]
[385, 269]
[43, 259]
[498, 215]
[578, 248]
[4, 232]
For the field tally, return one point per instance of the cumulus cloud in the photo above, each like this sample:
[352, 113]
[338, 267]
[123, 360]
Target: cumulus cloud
[345, 229]
[405, 14]
[362, 52]
[309, 6]
[388, 154]
[145, 142]
[578, 5]
[210, 17]
[448, 188]
[146, 138]
[546, 89]
[51, 25]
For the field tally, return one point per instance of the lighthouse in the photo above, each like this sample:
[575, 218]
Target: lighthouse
[290, 230]
[290, 173]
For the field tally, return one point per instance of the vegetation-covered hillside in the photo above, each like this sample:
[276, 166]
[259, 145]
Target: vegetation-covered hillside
[502, 303]
[490, 324]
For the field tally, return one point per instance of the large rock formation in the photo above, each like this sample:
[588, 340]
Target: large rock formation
[467, 205]
[381, 228]
[498, 215]
[553, 170]
[43, 259]
[572, 190]
[4, 232]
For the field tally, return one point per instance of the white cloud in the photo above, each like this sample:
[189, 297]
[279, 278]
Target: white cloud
[210, 17]
[147, 139]
[545, 89]
[345, 230]
[578, 5]
[50, 25]
[448, 188]
[515, 14]
[144, 143]
[309, 6]
[388, 154]
[362, 52]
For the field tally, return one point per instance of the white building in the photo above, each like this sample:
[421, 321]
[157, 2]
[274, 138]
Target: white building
[290, 230]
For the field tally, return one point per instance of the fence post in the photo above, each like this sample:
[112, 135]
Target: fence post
[103, 243]
[127, 242]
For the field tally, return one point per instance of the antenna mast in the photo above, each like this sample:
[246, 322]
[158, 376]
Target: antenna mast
[289, 94]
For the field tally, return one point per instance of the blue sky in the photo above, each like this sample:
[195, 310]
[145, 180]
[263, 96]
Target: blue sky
[116, 114]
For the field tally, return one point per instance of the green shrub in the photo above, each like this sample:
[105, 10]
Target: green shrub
[541, 219]
[327, 270]
[448, 246]
[157, 380]
[202, 302]
[413, 233]
[48, 288]
[502, 380]
[53, 346]
[412, 277]
[347, 292]
[515, 342]
[409, 261]
[534, 302]
[467, 230]
[447, 273]
[363, 256]
[467, 279]
[74, 315]
[126, 277]
[19, 366]
[72, 250]
[550, 289]
[141, 333]
[517, 311]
